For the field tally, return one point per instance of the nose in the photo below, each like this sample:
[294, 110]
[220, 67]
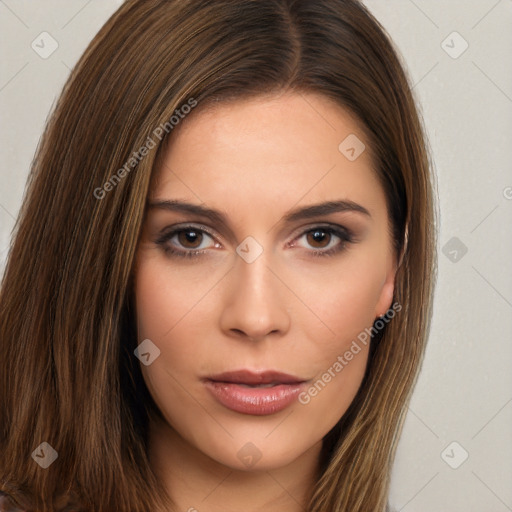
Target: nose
[254, 301]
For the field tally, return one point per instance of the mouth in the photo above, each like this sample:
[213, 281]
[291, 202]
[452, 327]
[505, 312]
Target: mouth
[255, 393]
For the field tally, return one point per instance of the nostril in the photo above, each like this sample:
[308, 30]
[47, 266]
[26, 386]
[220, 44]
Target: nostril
[241, 333]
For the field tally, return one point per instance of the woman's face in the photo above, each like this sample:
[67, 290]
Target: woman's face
[241, 271]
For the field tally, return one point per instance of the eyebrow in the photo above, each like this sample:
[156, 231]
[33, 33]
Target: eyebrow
[297, 214]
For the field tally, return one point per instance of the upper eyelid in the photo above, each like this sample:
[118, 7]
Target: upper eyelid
[183, 226]
[170, 231]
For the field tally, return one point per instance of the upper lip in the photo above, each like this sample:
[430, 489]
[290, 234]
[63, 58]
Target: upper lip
[256, 377]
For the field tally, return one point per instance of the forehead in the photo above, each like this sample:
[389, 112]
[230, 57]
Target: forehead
[270, 151]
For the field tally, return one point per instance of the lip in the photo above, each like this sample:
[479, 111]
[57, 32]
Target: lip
[256, 377]
[231, 389]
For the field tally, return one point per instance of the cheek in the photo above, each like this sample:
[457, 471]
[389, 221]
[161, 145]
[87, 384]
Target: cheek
[344, 300]
[346, 306]
[167, 296]
[349, 304]
[165, 306]
[340, 359]
[165, 316]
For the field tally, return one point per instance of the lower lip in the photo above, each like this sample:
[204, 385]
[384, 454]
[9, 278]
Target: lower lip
[257, 401]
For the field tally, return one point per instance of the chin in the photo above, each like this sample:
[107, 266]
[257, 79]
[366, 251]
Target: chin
[260, 454]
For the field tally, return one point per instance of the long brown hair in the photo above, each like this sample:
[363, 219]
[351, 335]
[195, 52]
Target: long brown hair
[69, 376]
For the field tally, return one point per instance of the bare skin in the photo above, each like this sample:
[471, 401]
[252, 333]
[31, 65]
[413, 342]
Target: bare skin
[292, 308]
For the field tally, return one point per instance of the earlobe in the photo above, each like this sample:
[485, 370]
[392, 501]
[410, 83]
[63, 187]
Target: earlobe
[386, 298]
[386, 294]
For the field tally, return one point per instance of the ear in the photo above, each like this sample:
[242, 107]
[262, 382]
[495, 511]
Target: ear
[387, 290]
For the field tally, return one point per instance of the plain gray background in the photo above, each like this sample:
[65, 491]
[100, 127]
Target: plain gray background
[455, 453]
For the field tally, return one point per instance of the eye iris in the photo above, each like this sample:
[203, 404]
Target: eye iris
[318, 236]
[188, 237]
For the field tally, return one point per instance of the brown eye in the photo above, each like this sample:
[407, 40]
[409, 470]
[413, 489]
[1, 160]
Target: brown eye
[318, 238]
[326, 240]
[186, 241]
[190, 238]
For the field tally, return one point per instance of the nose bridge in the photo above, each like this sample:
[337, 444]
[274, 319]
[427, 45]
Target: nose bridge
[255, 303]
[256, 277]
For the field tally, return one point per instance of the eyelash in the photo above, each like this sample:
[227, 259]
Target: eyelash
[344, 234]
